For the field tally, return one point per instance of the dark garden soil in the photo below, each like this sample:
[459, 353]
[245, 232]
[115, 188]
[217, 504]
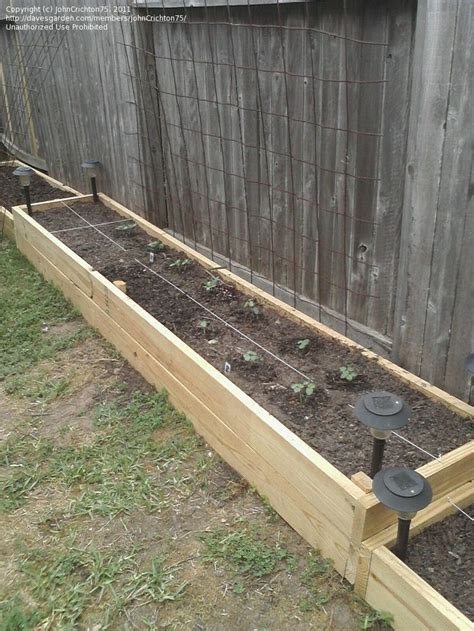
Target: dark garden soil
[324, 420]
[11, 193]
[444, 556]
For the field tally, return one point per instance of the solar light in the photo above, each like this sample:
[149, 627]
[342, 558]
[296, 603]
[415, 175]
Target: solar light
[91, 167]
[406, 492]
[24, 174]
[381, 412]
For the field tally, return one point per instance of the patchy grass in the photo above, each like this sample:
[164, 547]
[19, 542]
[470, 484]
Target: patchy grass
[244, 550]
[114, 513]
[27, 304]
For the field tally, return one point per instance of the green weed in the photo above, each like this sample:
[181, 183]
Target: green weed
[24, 387]
[377, 620]
[244, 552]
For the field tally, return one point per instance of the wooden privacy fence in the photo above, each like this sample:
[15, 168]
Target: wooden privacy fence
[317, 149]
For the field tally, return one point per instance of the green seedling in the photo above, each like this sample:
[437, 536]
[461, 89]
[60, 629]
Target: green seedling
[251, 357]
[348, 373]
[180, 264]
[307, 388]
[252, 307]
[303, 345]
[203, 325]
[126, 228]
[155, 246]
[212, 284]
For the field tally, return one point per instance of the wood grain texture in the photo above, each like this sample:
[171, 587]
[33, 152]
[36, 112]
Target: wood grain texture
[453, 470]
[436, 512]
[7, 227]
[435, 297]
[315, 498]
[394, 587]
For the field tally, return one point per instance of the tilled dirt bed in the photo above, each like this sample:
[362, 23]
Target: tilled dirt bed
[325, 418]
[11, 193]
[444, 556]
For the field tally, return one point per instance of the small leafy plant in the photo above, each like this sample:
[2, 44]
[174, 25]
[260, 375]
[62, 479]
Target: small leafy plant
[380, 618]
[126, 228]
[212, 284]
[303, 345]
[155, 246]
[203, 325]
[251, 307]
[306, 388]
[180, 264]
[348, 373]
[250, 357]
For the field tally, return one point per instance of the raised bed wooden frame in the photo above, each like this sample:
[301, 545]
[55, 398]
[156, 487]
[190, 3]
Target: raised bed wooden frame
[339, 516]
[6, 217]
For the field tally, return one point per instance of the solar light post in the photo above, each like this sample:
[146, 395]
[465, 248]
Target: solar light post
[91, 168]
[382, 412]
[24, 174]
[406, 492]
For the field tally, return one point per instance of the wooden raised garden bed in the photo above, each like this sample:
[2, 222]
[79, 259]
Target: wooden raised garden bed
[49, 188]
[387, 583]
[334, 513]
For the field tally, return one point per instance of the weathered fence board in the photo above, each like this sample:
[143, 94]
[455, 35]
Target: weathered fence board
[302, 184]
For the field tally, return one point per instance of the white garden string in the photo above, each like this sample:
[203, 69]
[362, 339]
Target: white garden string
[416, 446]
[230, 326]
[459, 509]
[206, 309]
[106, 223]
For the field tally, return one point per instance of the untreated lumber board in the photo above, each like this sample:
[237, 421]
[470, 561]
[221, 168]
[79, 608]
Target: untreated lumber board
[435, 512]
[450, 472]
[54, 183]
[121, 284]
[62, 257]
[57, 203]
[322, 484]
[460, 407]
[290, 488]
[416, 606]
[7, 227]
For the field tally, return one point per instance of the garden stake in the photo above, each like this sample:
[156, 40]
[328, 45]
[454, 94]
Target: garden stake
[91, 167]
[406, 492]
[382, 412]
[25, 173]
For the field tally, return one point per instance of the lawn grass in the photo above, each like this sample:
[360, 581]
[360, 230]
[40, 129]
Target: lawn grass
[27, 305]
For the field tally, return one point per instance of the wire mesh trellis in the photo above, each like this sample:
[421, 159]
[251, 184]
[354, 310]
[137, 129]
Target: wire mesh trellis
[268, 157]
[256, 137]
